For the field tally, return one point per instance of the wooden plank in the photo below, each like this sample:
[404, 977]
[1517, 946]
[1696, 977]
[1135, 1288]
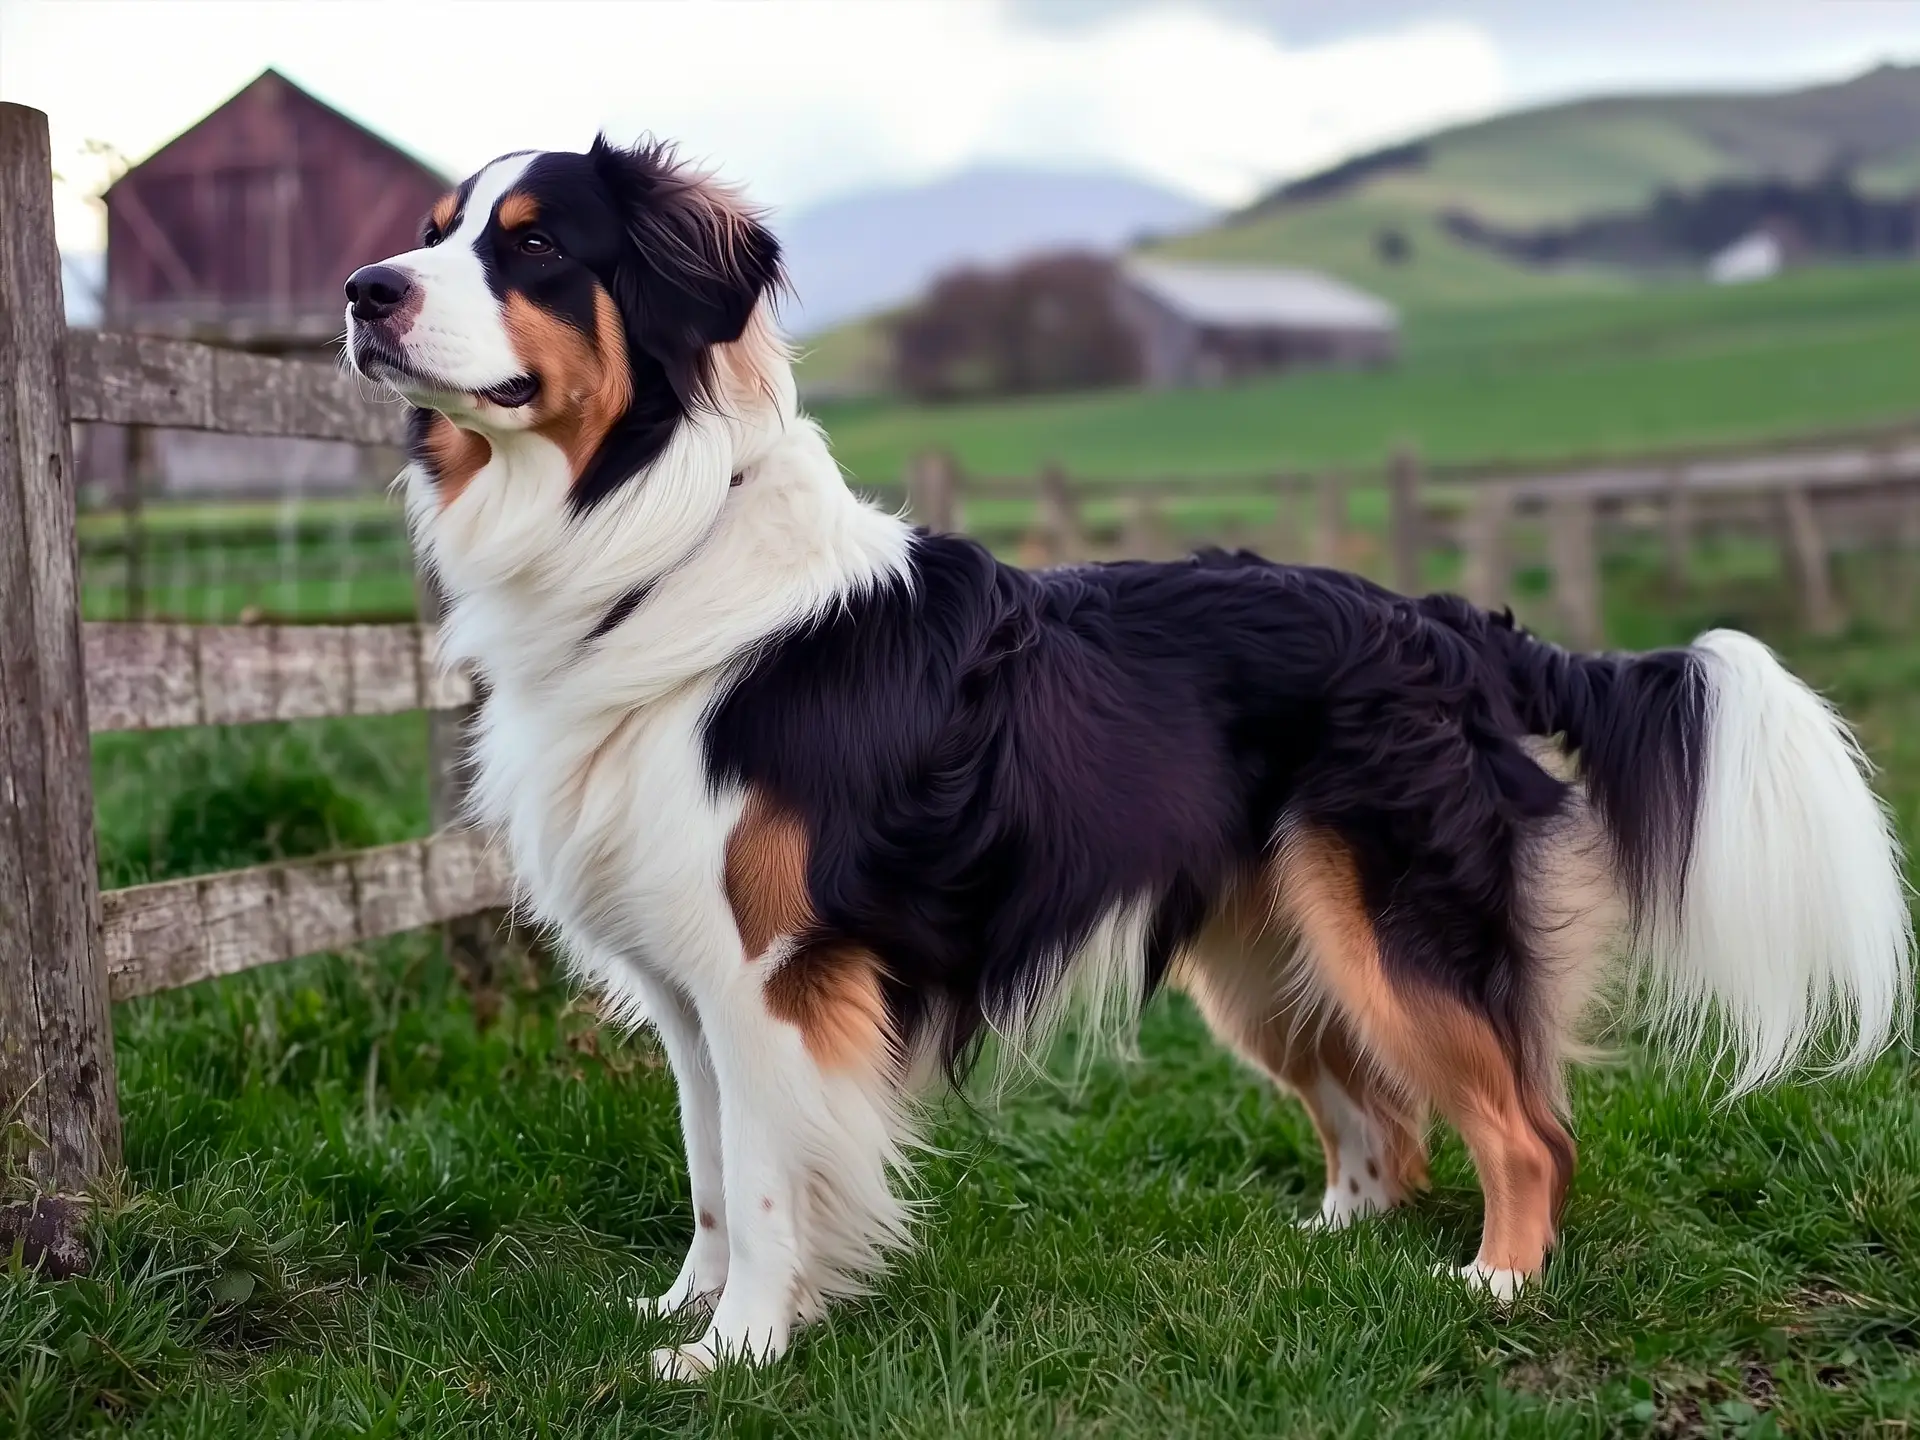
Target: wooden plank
[1143, 531]
[158, 676]
[1061, 532]
[159, 937]
[1840, 469]
[1488, 571]
[1329, 531]
[147, 380]
[1576, 569]
[1677, 534]
[1404, 528]
[1819, 609]
[57, 1078]
[931, 491]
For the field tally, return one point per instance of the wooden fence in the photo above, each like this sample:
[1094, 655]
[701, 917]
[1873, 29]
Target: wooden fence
[1812, 503]
[67, 951]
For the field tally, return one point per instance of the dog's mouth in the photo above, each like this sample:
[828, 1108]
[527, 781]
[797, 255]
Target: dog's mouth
[512, 394]
[379, 361]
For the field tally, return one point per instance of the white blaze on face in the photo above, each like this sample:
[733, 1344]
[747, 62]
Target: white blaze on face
[458, 335]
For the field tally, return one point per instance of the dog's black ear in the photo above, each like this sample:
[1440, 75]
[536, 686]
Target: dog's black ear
[697, 261]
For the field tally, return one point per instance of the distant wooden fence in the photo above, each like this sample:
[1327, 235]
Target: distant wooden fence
[1811, 502]
[67, 951]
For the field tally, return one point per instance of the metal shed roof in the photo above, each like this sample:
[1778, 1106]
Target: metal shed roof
[1246, 297]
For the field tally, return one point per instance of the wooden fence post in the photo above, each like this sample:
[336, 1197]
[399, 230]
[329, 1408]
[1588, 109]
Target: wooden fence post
[1487, 571]
[473, 943]
[1820, 610]
[1331, 522]
[57, 1079]
[1909, 554]
[1404, 525]
[1677, 532]
[931, 490]
[1576, 568]
[1143, 529]
[1283, 536]
[1060, 528]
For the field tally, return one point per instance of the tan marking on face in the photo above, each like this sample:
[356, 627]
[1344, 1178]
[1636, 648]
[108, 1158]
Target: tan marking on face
[585, 385]
[766, 875]
[445, 211]
[517, 210]
[1438, 1048]
[832, 995]
[456, 456]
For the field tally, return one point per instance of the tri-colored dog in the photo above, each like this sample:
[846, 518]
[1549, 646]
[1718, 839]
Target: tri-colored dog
[827, 799]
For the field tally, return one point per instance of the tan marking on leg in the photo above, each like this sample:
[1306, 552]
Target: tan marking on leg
[832, 995]
[766, 875]
[1437, 1047]
[456, 456]
[517, 210]
[585, 382]
[1247, 978]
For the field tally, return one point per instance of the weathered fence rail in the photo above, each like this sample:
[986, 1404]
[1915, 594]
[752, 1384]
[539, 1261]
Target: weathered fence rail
[67, 951]
[1811, 502]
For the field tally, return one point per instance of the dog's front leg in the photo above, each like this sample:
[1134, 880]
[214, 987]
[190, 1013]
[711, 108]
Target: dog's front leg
[772, 1099]
[703, 1275]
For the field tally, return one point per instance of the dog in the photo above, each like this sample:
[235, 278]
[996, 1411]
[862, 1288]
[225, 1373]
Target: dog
[829, 800]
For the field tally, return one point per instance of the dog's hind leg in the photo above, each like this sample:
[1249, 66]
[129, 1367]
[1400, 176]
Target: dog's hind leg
[1441, 1049]
[1245, 976]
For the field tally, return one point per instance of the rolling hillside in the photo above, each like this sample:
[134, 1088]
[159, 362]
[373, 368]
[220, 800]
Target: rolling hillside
[1560, 163]
[1675, 366]
[1533, 167]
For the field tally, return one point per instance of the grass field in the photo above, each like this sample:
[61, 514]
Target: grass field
[1688, 365]
[348, 1210]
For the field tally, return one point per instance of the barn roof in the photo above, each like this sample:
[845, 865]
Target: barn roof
[273, 79]
[1267, 297]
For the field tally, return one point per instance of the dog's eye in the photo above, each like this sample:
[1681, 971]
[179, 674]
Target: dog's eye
[534, 243]
[432, 237]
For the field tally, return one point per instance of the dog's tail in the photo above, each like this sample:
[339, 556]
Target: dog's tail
[1765, 886]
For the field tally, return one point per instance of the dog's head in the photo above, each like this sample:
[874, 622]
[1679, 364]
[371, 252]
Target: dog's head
[588, 298]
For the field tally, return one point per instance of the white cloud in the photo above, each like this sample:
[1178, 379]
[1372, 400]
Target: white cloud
[800, 99]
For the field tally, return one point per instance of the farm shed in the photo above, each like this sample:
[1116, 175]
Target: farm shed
[239, 232]
[1202, 324]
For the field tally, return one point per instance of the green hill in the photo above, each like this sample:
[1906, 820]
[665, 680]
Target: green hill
[1668, 366]
[1557, 164]
[1531, 167]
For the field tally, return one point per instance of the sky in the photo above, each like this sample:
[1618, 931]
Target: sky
[804, 100]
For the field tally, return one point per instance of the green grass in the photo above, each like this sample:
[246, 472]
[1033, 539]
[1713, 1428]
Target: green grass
[1815, 351]
[350, 1210]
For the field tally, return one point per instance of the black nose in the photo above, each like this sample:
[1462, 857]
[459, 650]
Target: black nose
[375, 291]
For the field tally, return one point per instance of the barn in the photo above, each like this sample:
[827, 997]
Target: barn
[1205, 324]
[240, 232]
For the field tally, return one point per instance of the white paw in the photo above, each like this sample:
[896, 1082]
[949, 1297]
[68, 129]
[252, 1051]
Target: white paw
[1340, 1207]
[684, 1364]
[1502, 1285]
[758, 1346]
